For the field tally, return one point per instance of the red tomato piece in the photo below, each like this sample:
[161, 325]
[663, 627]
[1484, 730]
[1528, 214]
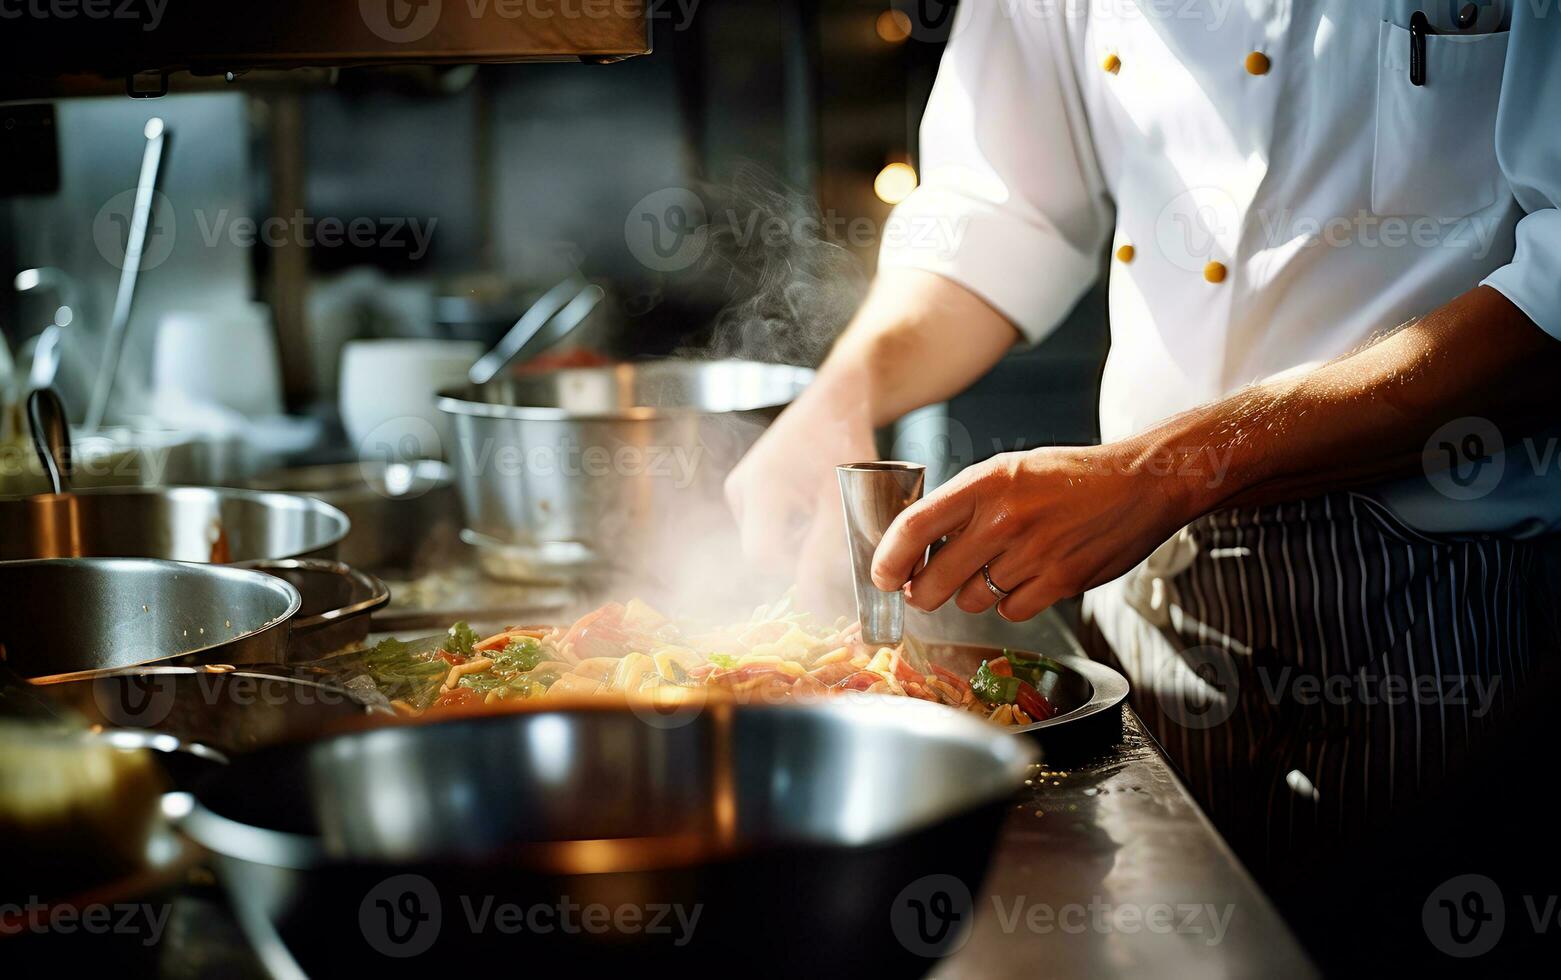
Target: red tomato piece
[860, 681]
[458, 697]
[1034, 703]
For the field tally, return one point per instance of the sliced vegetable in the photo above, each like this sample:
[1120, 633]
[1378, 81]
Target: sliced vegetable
[1033, 702]
[462, 640]
[992, 685]
[519, 655]
[1030, 669]
[958, 683]
[458, 697]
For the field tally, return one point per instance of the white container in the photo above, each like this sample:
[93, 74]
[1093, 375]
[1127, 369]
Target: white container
[387, 395]
[224, 356]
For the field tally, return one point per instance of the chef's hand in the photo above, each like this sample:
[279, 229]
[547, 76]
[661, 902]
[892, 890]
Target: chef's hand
[918, 339]
[787, 501]
[1050, 523]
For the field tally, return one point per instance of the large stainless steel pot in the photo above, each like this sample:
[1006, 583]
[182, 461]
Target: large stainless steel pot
[69, 616]
[582, 467]
[799, 840]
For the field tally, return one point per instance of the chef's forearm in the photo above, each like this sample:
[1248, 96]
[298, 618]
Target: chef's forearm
[1364, 417]
[918, 339]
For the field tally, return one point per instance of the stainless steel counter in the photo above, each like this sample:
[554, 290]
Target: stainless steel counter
[1107, 867]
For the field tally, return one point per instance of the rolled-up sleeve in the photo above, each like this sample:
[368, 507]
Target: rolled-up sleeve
[1011, 205]
[1528, 147]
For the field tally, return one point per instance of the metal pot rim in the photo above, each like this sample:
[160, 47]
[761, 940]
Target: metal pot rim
[456, 400]
[281, 621]
[433, 475]
[272, 498]
[237, 839]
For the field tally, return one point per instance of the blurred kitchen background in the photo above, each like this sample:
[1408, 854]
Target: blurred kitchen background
[438, 202]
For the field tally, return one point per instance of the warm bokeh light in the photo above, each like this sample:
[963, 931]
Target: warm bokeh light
[895, 182]
[894, 26]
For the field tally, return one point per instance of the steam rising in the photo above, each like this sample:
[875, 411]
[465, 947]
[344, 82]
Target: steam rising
[790, 289]
[790, 292]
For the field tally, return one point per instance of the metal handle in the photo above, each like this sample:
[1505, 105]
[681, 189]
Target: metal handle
[157, 140]
[548, 321]
[51, 436]
[377, 593]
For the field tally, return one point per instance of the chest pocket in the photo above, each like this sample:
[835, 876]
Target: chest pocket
[1435, 149]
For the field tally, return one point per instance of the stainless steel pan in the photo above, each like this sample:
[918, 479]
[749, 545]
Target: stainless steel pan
[337, 603]
[794, 834]
[70, 616]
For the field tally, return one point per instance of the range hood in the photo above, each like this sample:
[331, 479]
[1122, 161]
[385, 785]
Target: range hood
[62, 47]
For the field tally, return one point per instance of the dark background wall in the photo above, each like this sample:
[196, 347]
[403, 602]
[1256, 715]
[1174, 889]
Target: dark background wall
[529, 171]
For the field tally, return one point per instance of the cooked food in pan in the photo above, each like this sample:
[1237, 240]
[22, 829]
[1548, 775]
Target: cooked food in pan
[631, 648]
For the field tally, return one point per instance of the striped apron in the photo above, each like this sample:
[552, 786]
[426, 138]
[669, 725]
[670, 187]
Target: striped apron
[1314, 667]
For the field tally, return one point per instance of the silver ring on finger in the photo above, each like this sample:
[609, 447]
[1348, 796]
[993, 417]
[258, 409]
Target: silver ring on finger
[992, 587]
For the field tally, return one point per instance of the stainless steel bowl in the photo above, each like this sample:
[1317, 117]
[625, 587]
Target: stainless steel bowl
[404, 516]
[201, 524]
[793, 834]
[611, 465]
[70, 616]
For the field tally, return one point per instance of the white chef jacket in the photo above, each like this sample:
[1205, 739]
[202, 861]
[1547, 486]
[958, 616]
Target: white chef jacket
[1274, 189]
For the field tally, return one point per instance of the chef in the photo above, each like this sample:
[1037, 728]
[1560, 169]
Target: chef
[1312, 533]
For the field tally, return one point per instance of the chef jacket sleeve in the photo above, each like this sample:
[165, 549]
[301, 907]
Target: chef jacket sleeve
[1528, 147]
[1012, 205]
